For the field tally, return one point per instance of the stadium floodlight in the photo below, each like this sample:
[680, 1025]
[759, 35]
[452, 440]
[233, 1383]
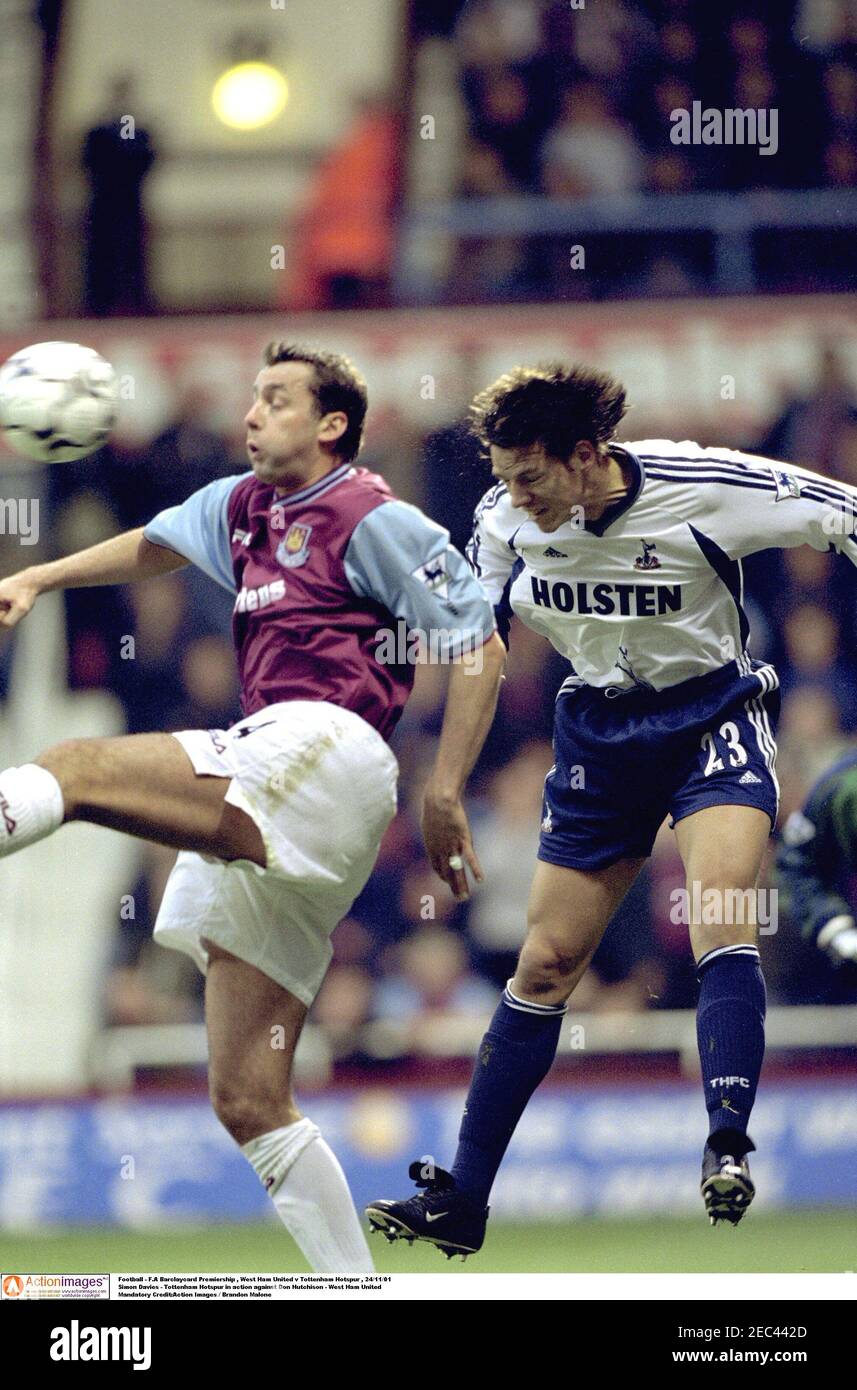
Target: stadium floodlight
[248, 96]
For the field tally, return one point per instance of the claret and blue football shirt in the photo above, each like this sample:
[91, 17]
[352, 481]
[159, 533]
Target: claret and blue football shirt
[323, 578]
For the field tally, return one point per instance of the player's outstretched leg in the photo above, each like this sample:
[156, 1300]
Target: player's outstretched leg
[143, 784]
[722, 848]
[568, 912]
[253, 1029]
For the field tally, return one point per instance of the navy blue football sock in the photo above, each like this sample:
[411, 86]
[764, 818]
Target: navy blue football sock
[514, 1056]
[730, 1031]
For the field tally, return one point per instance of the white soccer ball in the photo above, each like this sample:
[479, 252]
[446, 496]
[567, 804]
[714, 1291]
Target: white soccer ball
[57, 401]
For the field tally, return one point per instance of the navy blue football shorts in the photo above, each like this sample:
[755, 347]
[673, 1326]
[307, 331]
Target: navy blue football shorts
[623, 763]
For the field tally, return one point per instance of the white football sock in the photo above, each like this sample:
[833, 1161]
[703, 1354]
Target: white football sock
[306, 1183]
[31, 806]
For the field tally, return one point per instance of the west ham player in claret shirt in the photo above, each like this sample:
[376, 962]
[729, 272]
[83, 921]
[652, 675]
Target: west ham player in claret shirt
[627, 557]
[279, 818]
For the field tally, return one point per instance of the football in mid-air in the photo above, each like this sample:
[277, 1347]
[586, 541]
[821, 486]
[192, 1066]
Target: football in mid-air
[57, 401]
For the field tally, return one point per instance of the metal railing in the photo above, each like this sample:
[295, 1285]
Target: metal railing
[119, 1052]
[730, 219]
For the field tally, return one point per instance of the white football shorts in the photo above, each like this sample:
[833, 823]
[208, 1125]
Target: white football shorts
[320, 783]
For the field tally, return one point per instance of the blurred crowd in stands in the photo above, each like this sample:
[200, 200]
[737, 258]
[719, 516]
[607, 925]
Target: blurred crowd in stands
[575, 100]
[569, 100]
[408, 952]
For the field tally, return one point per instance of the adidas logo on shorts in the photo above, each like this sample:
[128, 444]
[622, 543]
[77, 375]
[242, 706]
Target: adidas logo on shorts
[747, 778]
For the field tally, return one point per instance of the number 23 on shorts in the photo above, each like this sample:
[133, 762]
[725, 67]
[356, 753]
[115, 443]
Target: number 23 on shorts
[734, 750]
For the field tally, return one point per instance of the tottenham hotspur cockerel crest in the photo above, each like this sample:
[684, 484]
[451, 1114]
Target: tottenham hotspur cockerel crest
[647, 561]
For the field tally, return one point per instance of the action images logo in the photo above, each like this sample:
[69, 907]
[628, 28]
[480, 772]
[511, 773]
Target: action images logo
[29, 1286]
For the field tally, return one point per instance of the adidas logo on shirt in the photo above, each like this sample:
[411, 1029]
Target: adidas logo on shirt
[555, 554]
[747, 778]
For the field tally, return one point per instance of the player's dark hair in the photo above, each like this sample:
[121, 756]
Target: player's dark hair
[336, 385]
[550, 404]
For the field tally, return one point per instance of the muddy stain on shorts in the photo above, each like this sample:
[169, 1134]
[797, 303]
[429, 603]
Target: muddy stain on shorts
[303, 761]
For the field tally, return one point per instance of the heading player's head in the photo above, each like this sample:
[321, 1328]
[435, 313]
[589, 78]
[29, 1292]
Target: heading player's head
[547, 429]
[307, 414]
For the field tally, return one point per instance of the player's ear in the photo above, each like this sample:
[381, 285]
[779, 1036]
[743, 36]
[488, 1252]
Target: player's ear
[585, 454]
[332, 426]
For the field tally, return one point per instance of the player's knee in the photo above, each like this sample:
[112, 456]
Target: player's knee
[548, 964]
[71, 763]
[246, 1114]
[722, 916]
[237, 1112]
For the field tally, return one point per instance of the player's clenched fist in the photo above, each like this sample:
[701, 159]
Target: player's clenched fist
[18, 593]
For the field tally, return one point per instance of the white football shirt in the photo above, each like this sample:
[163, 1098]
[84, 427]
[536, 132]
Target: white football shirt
[651, 593]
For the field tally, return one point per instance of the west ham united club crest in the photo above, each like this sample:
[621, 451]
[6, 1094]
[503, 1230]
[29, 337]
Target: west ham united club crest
[293, 549]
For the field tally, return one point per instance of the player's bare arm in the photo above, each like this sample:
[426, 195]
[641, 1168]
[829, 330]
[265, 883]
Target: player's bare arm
[123, 559]
[470, 705]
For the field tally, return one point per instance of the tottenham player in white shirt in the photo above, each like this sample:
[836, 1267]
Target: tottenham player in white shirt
[628, 559]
